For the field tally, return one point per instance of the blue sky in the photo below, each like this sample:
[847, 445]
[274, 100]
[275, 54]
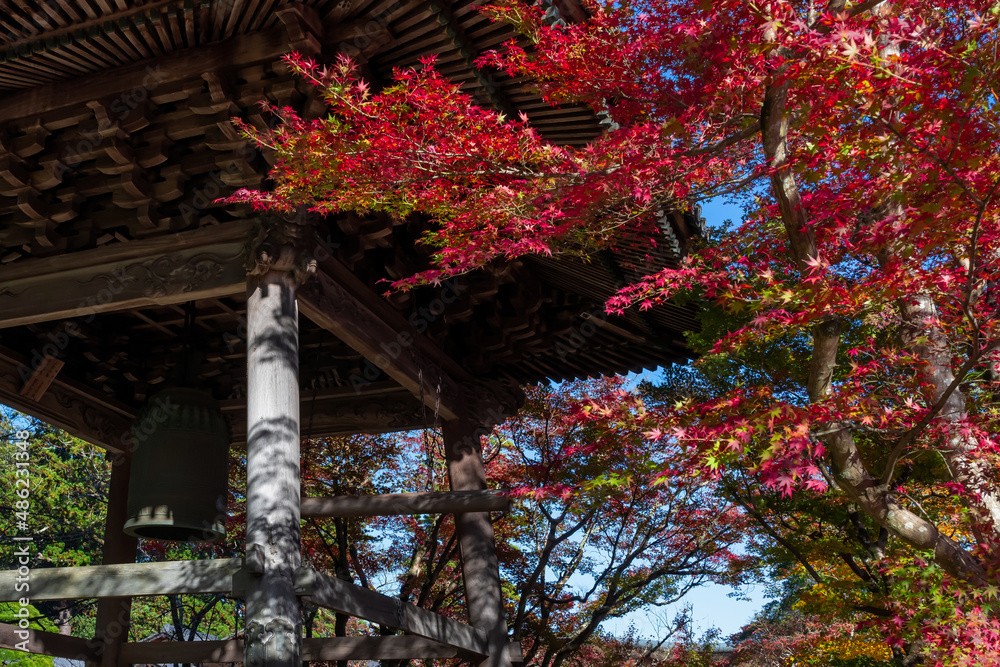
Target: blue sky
[711, 605]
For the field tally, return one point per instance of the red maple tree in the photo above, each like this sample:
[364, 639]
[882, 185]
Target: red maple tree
[863, 137]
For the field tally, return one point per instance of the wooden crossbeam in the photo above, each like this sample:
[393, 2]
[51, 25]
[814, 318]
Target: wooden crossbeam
[47, 643]
[327, 648]
[80, 411]
[100, 420]
[399, 647]
[434, 502]
[340, 303]
[124, 580]
[158, 271]
[326, 591]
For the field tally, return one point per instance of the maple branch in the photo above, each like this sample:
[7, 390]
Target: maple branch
[742, 135]
[791, 548]
[850, 472]
[358, 569]
[439, 564]
[734, 187]
[774, 135]
[874, 611]
[570, 568]
[925, 151]
[855, 568]
[551, 542]
[862, 7]
[971, 270]
[911, 435]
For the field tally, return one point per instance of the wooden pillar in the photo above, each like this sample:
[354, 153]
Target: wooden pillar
[273, 614]
[113, 613]
[480, 568]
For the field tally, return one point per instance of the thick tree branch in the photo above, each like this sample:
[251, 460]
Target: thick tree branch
[850, 472]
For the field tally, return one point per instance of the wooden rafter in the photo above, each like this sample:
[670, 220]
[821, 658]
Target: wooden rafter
[340, 303]
[237, 51]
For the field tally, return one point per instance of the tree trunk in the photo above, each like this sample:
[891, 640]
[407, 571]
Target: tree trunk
[850, 473]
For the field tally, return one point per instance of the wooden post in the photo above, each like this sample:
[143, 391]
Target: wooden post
[273, 615]
[480, 569]
[113, 613]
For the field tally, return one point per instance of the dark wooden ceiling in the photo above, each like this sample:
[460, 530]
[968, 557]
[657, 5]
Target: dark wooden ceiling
[115, 127]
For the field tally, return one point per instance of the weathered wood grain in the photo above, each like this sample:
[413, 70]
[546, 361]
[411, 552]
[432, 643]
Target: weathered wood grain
[433, 502]
[123, 580]
[48, 643]
[184, 273]
[114, 613]
[332, 593]
[272, 496]
[42, 377]
[480, 568]
[337, 301]
[331, 648]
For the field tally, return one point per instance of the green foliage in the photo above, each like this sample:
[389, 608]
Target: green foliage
[20, 659]
[38, 621]
[68, 493]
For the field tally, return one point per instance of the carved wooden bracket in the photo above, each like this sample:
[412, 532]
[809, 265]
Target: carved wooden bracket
[304, 26]
[283, 244]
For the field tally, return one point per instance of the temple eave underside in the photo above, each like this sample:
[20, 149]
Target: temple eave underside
[117, 141]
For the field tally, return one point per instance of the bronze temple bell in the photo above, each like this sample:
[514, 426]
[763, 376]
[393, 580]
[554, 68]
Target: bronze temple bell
[179, 480]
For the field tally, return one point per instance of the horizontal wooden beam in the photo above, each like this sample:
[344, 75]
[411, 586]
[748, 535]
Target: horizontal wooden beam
[433, 502]
[328, 648]
[347, 598]
[397, 647]
[124, 580]
[340, 303]
[81, 412]
[48, 643]
[160, 271]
